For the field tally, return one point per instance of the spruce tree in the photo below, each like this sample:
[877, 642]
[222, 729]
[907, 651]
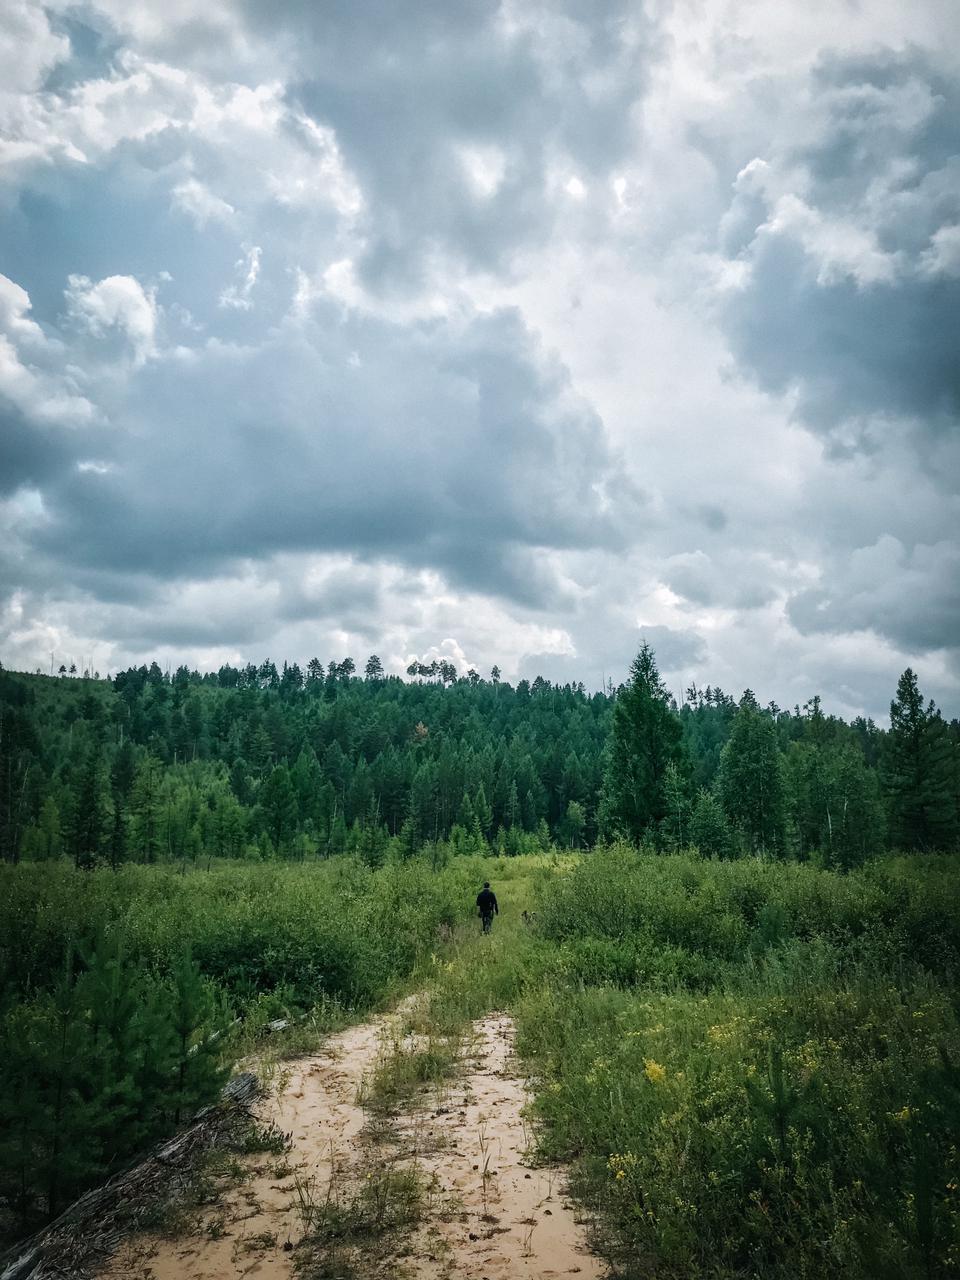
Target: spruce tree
[919, 772]
[751, 781]
[645, 738]
[87, 816]
[709, 830]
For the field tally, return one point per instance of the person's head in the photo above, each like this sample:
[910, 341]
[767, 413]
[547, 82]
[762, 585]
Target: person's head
[486, 884]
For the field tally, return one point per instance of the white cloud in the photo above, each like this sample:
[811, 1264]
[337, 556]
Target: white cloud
[116, 304]
[942, 258]
[239, 296]
[489, 333]
[29, 378]
[200, 203]
[29, 48]
[839, 248]
[485, 168]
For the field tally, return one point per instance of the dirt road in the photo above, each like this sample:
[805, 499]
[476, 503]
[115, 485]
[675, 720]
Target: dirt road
[514, 1219]
[490, 1213]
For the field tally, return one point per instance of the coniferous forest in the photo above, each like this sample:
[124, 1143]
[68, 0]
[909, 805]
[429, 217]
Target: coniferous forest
[735, 985]
[258, 764]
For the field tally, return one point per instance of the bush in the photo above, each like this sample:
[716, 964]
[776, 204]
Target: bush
[117, 988]
[776, 1094]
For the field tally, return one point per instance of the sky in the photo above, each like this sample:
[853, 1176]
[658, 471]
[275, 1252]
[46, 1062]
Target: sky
[502, 331]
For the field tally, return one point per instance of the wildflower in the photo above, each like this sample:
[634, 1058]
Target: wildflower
[655, 1073]
[621, 1173]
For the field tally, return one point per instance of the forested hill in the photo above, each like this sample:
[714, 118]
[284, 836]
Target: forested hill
[256, 762]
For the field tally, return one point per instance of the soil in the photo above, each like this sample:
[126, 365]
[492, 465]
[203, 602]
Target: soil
[491, 1213]
[514, 1219]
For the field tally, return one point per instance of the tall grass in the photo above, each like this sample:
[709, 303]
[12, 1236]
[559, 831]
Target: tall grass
[755, 1068]
[123, 994]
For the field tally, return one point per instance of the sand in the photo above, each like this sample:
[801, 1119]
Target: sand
[516, 1220]
[491, 1213]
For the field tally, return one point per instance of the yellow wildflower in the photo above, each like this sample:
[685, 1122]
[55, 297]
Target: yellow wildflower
[655, 1073]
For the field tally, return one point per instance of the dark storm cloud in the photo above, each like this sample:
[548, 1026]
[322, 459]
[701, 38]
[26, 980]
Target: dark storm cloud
[911, 597]
[852, 350]
[458, 446]
[854, 285]
[452, 119]
[30, 455]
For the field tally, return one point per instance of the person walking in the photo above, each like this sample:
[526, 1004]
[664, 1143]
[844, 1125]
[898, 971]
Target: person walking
[487, 906]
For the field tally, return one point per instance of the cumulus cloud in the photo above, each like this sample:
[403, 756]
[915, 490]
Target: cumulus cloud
[201, 203]
[505, 331]
[850, 286]
[36, 397]
[117, 306]
[457, 445]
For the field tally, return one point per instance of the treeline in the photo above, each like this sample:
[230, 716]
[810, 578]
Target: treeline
[256, 762]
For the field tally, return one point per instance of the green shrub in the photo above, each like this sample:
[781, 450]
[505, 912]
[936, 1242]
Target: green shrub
[772, 1093]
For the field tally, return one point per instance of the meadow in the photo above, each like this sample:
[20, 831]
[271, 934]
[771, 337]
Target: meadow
[752, 1068]
[127, 996]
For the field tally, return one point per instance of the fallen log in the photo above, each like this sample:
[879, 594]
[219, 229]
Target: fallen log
[86, 1233]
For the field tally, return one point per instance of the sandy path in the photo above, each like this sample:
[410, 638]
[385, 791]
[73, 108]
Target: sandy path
[516, 1221]
[245, 1232]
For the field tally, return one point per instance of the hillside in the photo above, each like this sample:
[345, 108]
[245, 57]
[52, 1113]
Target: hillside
[256, 762]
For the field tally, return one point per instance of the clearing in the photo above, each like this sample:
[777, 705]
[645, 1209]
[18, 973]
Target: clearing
[432, 1180]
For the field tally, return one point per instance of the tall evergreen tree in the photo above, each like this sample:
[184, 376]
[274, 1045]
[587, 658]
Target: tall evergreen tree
[918, 771]
[144, 810]
[87, 812]
[645, 738]
[751, 781]
[278, 803]
[709, 830]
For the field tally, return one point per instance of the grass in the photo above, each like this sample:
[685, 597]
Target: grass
[752, 1068]
[355, 1228]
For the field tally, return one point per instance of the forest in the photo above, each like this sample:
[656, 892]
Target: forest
[256, 763]
[734, 986]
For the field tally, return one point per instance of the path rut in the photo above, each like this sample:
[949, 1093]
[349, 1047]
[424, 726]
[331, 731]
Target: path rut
[514, 1219]
[493, 1215]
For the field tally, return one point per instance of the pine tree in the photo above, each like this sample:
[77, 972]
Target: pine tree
[196, 1021]
[709, 831]
[645, 738]
[751, 781]
[918, 772]
[374, 668]
[278, 804]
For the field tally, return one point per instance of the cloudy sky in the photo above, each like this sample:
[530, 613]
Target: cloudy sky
[502, 330]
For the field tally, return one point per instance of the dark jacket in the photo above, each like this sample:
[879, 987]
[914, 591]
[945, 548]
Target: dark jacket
[487, 902]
